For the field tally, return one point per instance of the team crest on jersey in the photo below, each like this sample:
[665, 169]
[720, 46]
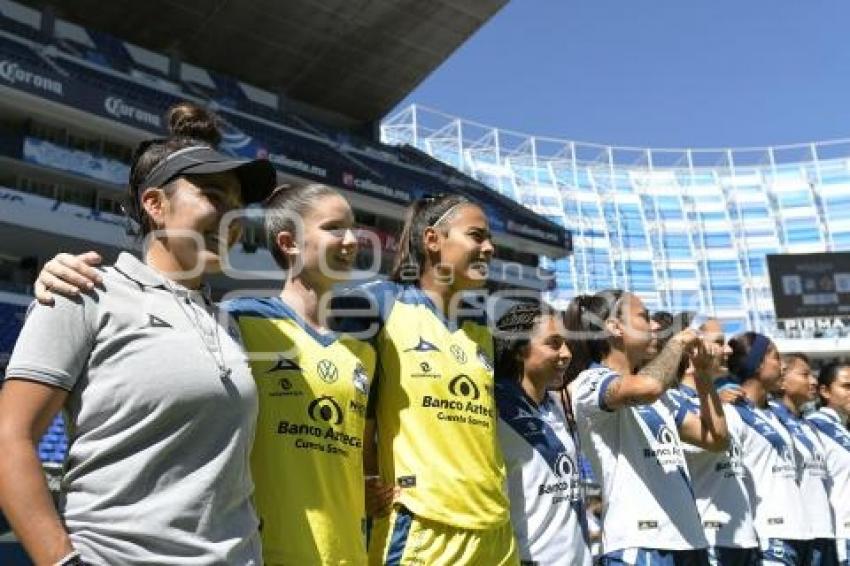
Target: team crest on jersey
[458, 354]
[327, 371]
[484, 359]
[360, 379]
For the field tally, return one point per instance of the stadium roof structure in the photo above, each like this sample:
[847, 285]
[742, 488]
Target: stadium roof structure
[355, 58]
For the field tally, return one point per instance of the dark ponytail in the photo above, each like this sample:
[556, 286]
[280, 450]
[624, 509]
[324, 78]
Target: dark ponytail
[188, 125]
[587, 335]
[424, 213]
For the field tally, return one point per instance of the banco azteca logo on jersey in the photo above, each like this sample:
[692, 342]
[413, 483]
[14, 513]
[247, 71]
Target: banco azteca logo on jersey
[666, 449]
[327, 371]
[733, 464]
[463, 386]
[665, 435]
[322, 433]
[564, 466]
[566, 487]
[325, 409]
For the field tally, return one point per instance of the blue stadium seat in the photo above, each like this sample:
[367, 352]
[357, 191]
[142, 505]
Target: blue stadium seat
[11, 319]
[54, 445]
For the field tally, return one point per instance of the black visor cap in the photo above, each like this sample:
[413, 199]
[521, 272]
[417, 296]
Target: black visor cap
[257, 178]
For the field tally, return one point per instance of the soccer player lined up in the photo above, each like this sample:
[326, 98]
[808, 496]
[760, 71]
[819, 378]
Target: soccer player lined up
[433, 393]
[313, 385]
[768, 453]
[831, 422]
[630, 429]
[799, 387]
[159, 399]
[718, 477]
[538, 437]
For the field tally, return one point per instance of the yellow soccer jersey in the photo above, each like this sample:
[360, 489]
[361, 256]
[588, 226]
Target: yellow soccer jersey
[307, 460]
[436, 414]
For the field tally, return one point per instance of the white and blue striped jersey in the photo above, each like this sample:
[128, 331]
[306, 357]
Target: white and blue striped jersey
[771, 479]
[638, 457]
[836, 442]
[718, 481]
[544, 481]
[811, 471]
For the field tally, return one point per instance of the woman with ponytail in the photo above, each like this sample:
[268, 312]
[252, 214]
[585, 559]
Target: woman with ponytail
[768, 453]
[632, 429]
[538, 437]
[159, 398]
[433, 393]
[830, 420]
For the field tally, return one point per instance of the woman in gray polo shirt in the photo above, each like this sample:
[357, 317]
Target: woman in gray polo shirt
[160, 398]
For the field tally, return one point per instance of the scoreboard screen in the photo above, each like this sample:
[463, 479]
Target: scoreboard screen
[810, 285]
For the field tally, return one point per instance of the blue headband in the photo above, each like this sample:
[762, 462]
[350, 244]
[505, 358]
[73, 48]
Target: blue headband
[754, 359]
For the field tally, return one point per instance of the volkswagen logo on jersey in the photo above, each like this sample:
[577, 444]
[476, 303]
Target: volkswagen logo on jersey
[458, 353]
[327, 371]
[285, 384]
[325, 409]
[463, 386]
[360, 379]
[484, 359]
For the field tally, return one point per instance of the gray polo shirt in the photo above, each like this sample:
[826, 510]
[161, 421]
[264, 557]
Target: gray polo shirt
[158, 461]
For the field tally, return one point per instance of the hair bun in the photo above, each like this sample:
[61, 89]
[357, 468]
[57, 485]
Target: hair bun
[187, 119]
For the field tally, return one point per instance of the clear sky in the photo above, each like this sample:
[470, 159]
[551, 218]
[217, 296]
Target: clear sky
[658, 73]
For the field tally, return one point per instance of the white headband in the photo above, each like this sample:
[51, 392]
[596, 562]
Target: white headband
[448, 213]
